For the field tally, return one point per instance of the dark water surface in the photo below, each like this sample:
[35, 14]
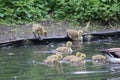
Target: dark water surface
[26, 63]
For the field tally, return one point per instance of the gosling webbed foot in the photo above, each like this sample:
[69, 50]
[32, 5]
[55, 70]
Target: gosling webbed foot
[34, 35]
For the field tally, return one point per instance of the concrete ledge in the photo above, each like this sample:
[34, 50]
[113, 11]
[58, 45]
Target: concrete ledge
[95, 36]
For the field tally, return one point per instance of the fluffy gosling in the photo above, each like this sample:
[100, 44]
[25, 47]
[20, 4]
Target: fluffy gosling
[39, 30]
[75, 35]
[52, 61]
[78, 60]
[58, 54]
[65, 50]
[99, 58]
[68, 58]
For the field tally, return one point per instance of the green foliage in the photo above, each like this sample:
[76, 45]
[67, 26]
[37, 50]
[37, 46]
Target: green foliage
[24, 9]
[84, 10]
[71, 10]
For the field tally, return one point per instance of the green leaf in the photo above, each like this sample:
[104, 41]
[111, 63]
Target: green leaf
[1, 15]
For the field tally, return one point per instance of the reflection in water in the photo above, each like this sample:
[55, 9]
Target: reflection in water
[59, 68]
[88, 72]
[77, 45]
[114, 78]
[81, 66]
[88, 37]
[114, 67]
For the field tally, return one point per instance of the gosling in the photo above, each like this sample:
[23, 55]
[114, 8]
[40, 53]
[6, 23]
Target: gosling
[75, 35]
[78, 60]
[52, 61]
[39, 30]
[58, 54]
[68, 58]
[99, 58]
[65, 50]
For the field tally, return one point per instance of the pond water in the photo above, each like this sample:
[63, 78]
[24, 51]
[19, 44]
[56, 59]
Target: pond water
[26, 63]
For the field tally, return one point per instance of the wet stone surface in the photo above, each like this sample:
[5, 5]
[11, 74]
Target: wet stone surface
[10, 33]
[54, 28]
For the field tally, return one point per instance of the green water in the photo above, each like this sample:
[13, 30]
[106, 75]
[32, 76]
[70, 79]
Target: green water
[26, 63]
